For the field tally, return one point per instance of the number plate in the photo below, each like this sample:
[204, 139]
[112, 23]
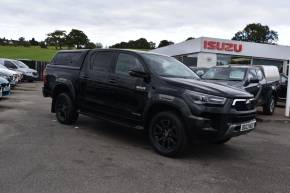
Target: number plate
[248, 126]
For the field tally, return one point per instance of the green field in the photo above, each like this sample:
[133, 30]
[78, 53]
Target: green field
[31, 53]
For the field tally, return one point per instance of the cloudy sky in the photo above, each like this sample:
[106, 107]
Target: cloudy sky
[112, 21]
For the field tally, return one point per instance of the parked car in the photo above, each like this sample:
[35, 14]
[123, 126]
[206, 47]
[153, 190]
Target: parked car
[261, 81]
[282, 89]
[13, 76]
[28, 73]
[199, 71]
[4, 87]
[149, 91]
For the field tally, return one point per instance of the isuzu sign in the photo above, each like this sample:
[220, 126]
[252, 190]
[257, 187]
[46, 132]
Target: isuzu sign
[222, 46]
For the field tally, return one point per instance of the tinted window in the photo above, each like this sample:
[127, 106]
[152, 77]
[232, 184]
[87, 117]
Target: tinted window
[68, 59]
[101, 61]
[127, 62]
[259, 74]
[252, 75]
[9, 64]
[283, 79]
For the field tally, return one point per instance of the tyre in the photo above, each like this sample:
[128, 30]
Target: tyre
[269, 106]
[167, 134]
[221, 141]
[65, 109]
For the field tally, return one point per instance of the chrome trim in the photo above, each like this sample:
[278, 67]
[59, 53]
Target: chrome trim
[241, 100]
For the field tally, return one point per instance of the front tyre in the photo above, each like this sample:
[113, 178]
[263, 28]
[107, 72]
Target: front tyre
[269, 106]
[65, 109]
[167, 134]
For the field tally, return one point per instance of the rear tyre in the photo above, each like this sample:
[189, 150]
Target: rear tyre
[167, 134]
[269, 106]
[65, 109]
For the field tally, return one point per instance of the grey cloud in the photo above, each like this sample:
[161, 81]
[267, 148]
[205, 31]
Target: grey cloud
[127, 16]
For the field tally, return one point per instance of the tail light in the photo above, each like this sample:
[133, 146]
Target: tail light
[45, 81]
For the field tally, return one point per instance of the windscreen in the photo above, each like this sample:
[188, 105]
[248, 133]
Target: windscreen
[168, 67]
[20, 64]
[232, 74]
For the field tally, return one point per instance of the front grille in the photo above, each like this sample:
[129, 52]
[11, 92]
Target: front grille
[244, 104]
[4, 84]
[242, 118]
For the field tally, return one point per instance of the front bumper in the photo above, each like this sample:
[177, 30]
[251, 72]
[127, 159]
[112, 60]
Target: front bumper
[220, 122]
[208, 128]
[29, 78]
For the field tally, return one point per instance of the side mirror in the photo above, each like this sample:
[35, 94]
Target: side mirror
[254, 81]
[251, 81]
[139, 74]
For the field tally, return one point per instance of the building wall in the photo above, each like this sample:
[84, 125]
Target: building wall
[206, 59]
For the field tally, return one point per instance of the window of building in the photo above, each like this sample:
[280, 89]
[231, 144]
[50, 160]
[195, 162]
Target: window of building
[224, 59]
[278, 63]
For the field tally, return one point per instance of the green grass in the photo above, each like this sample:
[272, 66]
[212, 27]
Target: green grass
[31, 53]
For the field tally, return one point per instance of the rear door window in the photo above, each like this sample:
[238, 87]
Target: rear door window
[101, 61]
[68, 59]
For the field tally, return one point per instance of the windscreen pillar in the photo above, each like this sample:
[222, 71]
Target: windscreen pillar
[287, 112]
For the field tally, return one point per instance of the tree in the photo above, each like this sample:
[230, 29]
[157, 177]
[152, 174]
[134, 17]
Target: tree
[141, 43]
[33, 42]
[77, 38]
[164, 43]
[258, 33]
[56, 38]
[99, 45]
[90, 45]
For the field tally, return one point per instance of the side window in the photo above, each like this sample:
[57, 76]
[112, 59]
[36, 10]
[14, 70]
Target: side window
[259, 74]
[252, 75]
[68, 59]
[127, 62]
[101, 61]
[283, 79]
[9, 64]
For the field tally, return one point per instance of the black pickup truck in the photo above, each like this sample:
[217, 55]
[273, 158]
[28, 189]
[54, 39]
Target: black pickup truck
[149, 91]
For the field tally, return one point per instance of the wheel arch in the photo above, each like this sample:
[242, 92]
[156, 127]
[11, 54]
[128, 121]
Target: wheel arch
[62, 88]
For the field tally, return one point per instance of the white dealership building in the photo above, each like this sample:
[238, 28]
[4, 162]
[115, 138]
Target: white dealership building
[208, 52]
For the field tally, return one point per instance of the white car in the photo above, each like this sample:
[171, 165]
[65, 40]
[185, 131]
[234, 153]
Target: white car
[13, 76]
[28, 73]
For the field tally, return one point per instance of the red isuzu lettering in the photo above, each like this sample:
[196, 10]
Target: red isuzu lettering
[222, 46]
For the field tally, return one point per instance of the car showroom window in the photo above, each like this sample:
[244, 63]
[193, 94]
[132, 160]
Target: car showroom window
[127, 62]
[101, 61]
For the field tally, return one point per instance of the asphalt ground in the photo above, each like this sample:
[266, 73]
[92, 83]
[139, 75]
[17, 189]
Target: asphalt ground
[37, 154]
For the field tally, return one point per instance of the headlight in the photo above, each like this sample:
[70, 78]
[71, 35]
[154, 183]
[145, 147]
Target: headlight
[201, 98]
